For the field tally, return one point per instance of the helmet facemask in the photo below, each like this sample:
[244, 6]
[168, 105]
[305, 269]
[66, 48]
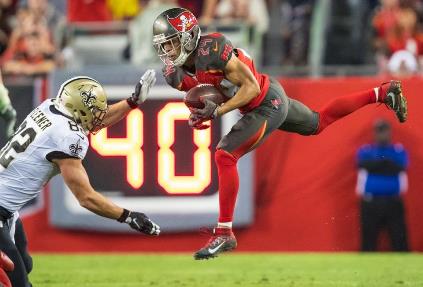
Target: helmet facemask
[96, 123]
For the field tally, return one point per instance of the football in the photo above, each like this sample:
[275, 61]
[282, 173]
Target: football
[192, 97]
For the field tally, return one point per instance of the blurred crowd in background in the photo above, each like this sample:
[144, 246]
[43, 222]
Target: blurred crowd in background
[286, 36]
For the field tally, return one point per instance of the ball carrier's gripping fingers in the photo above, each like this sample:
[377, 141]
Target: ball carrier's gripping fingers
[209, 111]
[142, 89]
[140, 222]
[196, 123]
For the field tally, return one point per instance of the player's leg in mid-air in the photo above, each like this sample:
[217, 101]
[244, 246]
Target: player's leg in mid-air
[7, 112]
[304, 121]
[245, 135]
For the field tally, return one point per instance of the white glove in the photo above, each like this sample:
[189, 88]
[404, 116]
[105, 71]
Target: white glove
[142, 89]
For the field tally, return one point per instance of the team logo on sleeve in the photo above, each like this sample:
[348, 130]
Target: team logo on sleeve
[88, 97]
[75, 149]
[183, 22]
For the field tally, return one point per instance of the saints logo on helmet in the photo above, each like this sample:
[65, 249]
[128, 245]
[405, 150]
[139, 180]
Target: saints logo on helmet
[84, 99]
[175, 35]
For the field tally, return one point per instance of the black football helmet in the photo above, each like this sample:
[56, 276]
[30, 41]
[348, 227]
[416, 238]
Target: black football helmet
[175, 35]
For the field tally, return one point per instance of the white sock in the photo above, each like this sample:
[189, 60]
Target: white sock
[225, 224]
[377, 94]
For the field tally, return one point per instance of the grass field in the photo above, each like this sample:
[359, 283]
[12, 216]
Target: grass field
[240, 269]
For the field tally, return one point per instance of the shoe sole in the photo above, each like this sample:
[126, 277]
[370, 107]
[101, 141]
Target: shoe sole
[227, 248]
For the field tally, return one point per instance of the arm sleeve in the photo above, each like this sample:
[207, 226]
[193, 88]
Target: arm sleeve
[404, 159]
[221, 52]
[361, 157]
[73, 145]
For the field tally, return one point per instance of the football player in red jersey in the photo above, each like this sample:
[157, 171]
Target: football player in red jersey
[191, 58]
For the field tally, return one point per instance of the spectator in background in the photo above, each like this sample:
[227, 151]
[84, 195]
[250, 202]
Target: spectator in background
[295, 26]
[88, 11]
[398, 39]
[123, 10]
[382, 180]
[141, 50]
[55, 21]
[253, 12]
[31, 51]
[7, 14]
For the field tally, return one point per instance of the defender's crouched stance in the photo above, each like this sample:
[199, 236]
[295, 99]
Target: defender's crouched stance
[51, 140]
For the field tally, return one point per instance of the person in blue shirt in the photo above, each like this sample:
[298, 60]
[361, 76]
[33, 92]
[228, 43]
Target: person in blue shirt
[382, 180]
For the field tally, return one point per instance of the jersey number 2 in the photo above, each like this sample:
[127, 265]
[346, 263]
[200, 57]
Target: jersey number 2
[19, 142]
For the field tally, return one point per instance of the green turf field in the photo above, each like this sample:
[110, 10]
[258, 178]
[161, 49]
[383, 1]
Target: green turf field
[240, 269]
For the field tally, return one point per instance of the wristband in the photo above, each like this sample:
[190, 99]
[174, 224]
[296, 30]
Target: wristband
[124, 215]
[131, 103]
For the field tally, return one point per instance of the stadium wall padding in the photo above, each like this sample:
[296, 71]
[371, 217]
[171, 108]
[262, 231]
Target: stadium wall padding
[305, 186]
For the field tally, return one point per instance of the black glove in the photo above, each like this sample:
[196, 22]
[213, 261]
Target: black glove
[140, 222]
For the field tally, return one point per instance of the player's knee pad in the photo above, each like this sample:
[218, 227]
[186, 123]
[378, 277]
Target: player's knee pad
[225, 158]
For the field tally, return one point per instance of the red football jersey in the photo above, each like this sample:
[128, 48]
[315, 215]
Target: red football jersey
[213, 53]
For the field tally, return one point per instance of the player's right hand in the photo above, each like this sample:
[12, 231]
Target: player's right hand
[142, 89]
[140, 222]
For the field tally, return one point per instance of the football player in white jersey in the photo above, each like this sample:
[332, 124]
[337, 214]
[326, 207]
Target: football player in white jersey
[53, 139]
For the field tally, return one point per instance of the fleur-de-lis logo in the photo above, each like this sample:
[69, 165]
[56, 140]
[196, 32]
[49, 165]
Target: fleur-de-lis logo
[75, 149]
[88, 97]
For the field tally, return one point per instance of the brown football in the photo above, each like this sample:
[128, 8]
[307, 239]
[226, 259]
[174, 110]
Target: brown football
[192, 97]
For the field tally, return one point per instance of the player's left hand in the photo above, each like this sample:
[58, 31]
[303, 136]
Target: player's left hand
[209, 111]
[142, 89]
[196, 123]
[140, 222]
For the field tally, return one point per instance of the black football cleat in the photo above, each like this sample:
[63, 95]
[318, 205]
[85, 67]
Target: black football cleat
[222, 240]
[392, 97]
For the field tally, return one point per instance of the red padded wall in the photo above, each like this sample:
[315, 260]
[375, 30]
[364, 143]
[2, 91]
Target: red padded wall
[305, 186]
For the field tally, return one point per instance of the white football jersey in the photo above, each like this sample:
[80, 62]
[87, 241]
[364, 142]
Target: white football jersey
[25, 161]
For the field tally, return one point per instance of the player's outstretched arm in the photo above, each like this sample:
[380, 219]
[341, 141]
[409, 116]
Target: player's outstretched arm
[121, 109]
[239, 74]
[77, 180]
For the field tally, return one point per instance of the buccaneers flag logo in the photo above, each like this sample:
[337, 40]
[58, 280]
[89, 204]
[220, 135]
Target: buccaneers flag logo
[183, 22]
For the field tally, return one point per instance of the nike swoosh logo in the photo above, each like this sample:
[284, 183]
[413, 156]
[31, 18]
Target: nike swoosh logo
[213, 250]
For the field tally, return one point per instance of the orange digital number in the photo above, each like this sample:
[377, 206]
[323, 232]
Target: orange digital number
[129, 147]
[173, 184]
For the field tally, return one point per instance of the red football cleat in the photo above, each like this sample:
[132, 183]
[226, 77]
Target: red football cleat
[222, 240]
[390, 93]
[5, 262]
